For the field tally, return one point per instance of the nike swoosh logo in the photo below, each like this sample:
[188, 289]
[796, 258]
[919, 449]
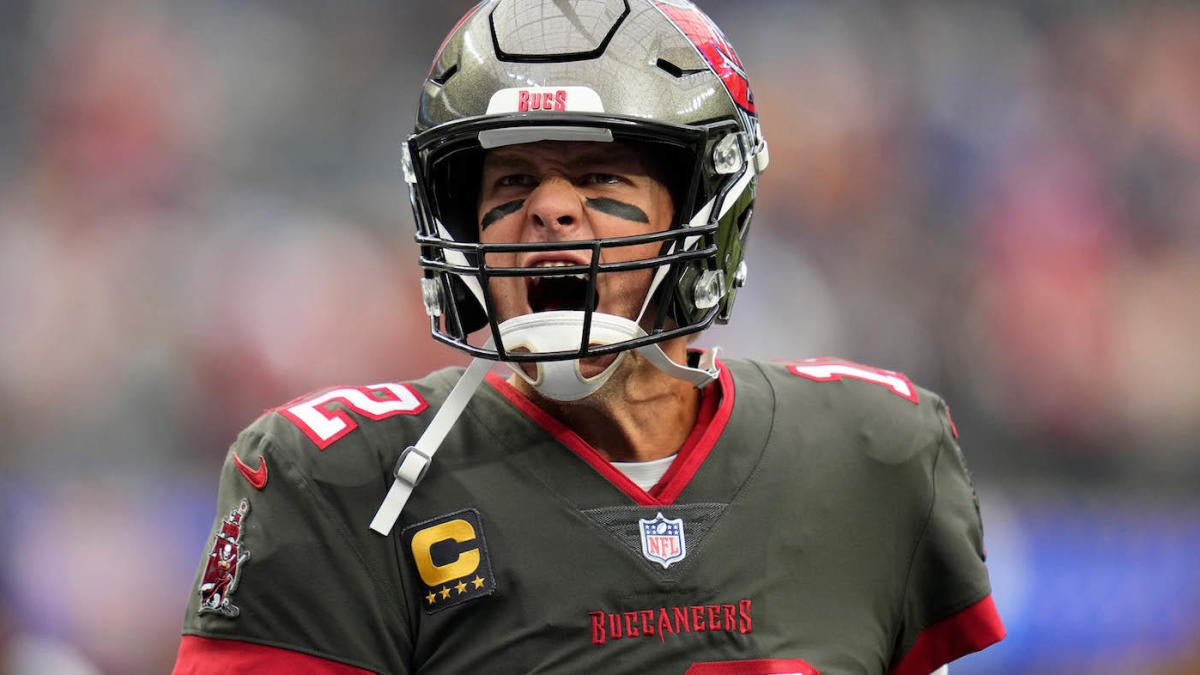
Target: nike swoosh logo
[256, 477]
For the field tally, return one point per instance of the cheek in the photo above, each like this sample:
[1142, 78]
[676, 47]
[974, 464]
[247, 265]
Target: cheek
[499, 233]
[508, 296]
[629, 285]
[501, 220]
[498, 260]
[511, 230]
[664, 209]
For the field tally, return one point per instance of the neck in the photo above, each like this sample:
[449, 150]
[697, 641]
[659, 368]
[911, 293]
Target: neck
[640, 414]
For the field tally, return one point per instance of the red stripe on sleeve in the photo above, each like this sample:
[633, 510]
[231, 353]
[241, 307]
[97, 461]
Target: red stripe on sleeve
[753, 667]
[969, 631]
[205, 656]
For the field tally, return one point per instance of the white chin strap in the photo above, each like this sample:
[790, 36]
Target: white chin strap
[562, 331]
[559, 380]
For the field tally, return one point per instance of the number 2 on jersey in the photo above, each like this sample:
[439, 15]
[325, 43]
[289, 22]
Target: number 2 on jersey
[325, 425]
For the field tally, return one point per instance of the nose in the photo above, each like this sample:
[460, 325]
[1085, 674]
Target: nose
[554, 206]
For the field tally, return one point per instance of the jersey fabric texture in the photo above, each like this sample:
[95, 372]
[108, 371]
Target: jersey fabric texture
[812, 524]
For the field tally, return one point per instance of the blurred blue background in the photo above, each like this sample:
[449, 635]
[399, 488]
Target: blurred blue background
[202, 215]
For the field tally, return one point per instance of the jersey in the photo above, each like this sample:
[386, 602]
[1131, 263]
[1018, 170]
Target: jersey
[819, 519]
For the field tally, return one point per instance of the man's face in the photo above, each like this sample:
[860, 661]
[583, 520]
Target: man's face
[570, 191]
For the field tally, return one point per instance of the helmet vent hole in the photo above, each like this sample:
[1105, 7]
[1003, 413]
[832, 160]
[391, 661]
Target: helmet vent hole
[674, 70]
[445, 75]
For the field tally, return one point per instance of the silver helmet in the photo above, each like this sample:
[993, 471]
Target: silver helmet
[655, 73]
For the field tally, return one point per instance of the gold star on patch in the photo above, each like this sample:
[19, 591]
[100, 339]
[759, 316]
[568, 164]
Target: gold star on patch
[467, 578]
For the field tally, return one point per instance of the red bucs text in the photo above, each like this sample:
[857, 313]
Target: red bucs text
[665, 621]
[541, 100]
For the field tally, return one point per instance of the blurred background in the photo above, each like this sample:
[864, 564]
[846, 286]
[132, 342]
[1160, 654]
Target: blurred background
[202, 215]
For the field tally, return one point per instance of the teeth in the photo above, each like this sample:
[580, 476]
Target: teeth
[560, 263]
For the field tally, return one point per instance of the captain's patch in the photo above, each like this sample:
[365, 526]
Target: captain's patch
[662, 540]
[451, 557]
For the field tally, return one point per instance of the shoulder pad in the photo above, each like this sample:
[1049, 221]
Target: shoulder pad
[326, 416]
[893, 418]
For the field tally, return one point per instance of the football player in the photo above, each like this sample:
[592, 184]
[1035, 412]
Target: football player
[590, 494]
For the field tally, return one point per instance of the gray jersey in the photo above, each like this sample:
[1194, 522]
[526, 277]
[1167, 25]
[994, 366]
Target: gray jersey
[819, 519]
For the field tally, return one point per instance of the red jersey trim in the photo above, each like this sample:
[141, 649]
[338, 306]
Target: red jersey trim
[966, 632]
[715, 408]
[753, 667]
[206, 656]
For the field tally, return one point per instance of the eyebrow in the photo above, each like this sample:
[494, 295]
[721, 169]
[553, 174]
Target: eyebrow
[505, 161]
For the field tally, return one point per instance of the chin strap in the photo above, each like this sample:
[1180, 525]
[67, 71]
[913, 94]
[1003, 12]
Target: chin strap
[705, 371]
[415, 459]
[563, 331]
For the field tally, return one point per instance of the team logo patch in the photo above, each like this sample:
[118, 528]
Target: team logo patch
[451, 557]
[662, 540]
[712, 44]
[224, 567]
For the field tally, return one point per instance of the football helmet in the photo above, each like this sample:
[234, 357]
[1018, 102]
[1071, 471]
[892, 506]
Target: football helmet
[657, 74]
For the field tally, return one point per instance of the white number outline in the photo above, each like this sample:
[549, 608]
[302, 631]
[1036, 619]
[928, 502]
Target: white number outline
[833, 370]
[324, 426]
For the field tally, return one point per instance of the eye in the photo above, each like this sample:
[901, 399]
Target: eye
[516, 180]
[602, 179]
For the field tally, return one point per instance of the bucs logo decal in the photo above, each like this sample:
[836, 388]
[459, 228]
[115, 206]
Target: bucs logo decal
[714, 47]
[224, 566]
[662, 540]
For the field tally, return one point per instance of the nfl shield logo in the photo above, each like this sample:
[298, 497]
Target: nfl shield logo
[662, 540]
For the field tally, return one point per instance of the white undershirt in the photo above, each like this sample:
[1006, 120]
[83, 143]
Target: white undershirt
[645, 474]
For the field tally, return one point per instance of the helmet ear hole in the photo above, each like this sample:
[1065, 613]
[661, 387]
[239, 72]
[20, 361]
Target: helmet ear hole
[454, 206]
[469, 315]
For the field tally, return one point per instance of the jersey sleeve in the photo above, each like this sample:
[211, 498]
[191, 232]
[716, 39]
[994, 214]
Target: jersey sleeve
[290, 573]
[205, 656]
[948, 610]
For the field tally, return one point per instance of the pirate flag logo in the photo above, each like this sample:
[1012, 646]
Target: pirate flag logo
[224, 566]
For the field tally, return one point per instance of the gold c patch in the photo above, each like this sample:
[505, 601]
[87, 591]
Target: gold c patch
[451, 558]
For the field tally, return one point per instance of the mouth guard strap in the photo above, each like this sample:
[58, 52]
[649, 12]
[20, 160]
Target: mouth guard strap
[415, 459]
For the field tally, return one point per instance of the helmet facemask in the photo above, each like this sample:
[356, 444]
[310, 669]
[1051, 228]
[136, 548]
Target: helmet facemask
[689, 279]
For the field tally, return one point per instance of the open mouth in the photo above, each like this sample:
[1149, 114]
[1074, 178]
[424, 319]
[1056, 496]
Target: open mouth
[560, 292]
